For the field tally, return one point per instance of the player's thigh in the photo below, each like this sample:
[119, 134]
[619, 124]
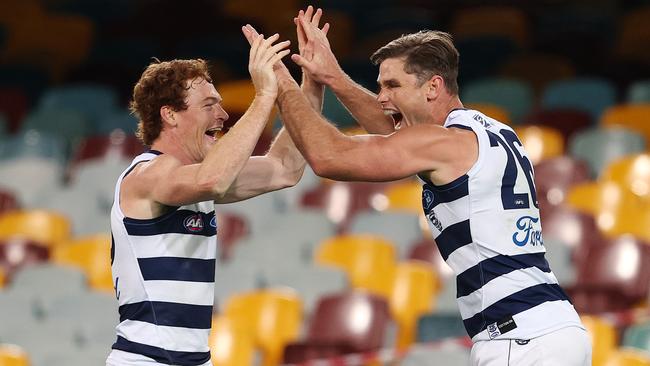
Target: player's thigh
[569, 346]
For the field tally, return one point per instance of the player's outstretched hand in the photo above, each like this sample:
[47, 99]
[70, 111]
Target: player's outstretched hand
[263, 55]
[316, 57]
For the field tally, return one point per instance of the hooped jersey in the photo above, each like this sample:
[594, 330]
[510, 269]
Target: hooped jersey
[163, 273]
[487, 227]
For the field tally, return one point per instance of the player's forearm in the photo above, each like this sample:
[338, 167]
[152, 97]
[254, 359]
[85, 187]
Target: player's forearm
[228, 156]
[310, 132]
[363, 105]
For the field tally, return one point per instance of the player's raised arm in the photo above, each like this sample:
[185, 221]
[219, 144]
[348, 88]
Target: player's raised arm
[324, 68]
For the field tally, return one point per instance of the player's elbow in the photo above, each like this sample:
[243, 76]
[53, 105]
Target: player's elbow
[213, 186]
[322, 166]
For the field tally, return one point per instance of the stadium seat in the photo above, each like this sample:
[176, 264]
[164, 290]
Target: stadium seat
[8, 201]
[341, 201]
[483, 56]
[626, 357]
[573, 229]
[554, 177]
[17, 253]
[617, 210]
[117, 120]
[231, 344]
[368, 260]
[237, 95]
[638, 92]
[67, 124]
[603, 338]
[233, 278]
[637, 336]
[91, 254]
[404, 197]
[232, 227]
[414, 286]
[14, 105]
[613, 277]
[13, 355]
[591, 95]
[311, 282]
[118, 145]
[503, 21]
[30, 178]
[439, 326]
[512, 95]
[346, 322]
[632, 172]
[541, 142]
[633, 35]
[538, 69]
[492, 111]
[334, 110]
[45, 227]
[274, 315]
[33, 143]
[94, 101]
[3, 278]
[566, 120]
[635, 117]
[600, 146]
[400, 228]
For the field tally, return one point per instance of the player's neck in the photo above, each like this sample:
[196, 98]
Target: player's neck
[443, 106]
[170, 144]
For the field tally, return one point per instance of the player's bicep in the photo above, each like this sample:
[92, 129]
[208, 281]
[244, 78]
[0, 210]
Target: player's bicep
[385, 158]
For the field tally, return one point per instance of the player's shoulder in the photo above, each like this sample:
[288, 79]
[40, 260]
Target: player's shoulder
[150, 171]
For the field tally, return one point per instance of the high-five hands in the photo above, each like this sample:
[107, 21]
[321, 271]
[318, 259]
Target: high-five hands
[316, 57]
[262, 57]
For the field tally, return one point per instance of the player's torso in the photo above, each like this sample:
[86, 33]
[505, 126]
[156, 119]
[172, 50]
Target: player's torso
[487, 226]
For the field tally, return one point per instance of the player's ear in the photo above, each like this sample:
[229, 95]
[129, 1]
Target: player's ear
[168, 116]
[435, 86]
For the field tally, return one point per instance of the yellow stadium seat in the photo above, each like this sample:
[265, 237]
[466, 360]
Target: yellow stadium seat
[632, 172]
[414, 286]
[627, 357]
[92, 254]
[2, 278]
[45, 227]
[12, 355]
[237, 95]
[617, 210]
[273, 315]
[231, 344]
[603, 338]
[541, 142]
[632, 116]
[406, 196]
[368, 260]
[492, 111]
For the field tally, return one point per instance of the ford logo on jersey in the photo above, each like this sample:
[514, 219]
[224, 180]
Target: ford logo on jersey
[528, 232]
[213, 221]
[193, 223]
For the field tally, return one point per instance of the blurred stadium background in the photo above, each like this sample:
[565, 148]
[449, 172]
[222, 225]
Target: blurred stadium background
[325, 268]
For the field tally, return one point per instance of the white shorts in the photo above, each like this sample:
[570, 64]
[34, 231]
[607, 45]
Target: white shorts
[570, 346]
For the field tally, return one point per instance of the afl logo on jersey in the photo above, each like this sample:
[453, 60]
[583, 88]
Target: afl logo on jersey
[193, 223]
[427, 198]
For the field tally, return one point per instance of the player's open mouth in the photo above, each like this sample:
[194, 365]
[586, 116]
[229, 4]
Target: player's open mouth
[214, 132]
[396, 116]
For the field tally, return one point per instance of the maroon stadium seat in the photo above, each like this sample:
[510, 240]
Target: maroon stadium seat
[554, 177]
[613, 276]
[567, 121]
[230, 228]
[16, 253]
[348, 322]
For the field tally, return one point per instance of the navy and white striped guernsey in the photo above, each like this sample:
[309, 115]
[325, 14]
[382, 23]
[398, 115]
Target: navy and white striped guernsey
[487, 226]
[163, 273]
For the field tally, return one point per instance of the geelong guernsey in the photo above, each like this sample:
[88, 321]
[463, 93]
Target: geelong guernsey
[487, 227]
[163, 273]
